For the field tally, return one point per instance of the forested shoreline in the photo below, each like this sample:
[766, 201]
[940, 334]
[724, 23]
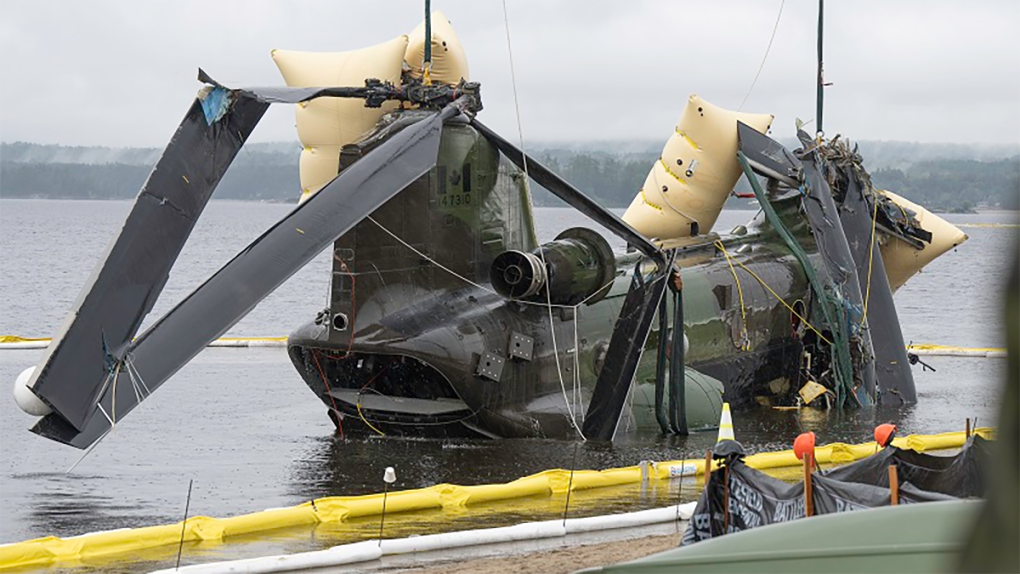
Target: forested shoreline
[269, 172]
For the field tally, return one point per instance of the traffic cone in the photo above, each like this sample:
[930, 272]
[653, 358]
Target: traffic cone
[725, 424]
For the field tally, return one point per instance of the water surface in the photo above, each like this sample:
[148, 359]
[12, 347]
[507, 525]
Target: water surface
[244, 426]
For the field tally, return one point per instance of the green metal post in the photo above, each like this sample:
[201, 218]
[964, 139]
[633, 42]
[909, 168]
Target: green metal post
[428, 33]
[821, 79]
[660, 370]
[677, 376]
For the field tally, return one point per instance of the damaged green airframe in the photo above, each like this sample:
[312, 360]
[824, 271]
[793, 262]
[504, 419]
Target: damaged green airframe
[447, 318]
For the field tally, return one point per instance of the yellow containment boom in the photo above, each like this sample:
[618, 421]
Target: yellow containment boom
[694, 175]
[903, 260]
[520, 497]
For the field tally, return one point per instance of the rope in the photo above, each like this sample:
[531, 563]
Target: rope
[113, 400]
[541, 253]
[871, 258]
[453, 273]
[765, 57]
[745, 341]
[774, 294]
[574, 308]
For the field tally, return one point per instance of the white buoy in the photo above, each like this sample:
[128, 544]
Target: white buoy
[390, 476]
[26, 399]
[725, 424]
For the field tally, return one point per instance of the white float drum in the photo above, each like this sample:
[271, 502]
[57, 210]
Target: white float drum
[25, 398]
[695, 173]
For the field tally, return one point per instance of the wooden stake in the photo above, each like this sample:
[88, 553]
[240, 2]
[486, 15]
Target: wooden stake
[894, 486]
[966, 432]
[809, 505]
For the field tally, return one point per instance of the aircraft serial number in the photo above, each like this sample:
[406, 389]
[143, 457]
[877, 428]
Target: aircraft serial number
[455, 199]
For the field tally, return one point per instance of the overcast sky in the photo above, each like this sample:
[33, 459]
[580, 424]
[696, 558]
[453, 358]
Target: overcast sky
[122, 73]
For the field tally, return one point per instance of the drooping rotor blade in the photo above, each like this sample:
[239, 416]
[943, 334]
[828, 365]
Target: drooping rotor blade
[821, 212]
[625, 348]
[375, 93]
[130, 276]
[259, 269]
[892, 370]
[570, 194]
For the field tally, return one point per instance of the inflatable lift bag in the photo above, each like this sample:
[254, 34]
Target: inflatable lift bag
[695, 174]
[449, 62]
[327, 124]
[902, 260]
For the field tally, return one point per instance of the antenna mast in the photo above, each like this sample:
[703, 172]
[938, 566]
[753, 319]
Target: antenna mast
[821, 78]
[427, 63]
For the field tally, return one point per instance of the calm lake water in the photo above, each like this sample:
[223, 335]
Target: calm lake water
[244, 426]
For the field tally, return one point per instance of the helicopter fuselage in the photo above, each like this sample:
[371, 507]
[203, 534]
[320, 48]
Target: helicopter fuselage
[415, 339]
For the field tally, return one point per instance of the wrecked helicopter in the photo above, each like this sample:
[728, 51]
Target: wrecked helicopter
[446, 317]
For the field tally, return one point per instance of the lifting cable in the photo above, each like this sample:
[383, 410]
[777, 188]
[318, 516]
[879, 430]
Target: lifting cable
[745, 341]
[765, 57]
[573, 308]
[871, 259]
[541, 252]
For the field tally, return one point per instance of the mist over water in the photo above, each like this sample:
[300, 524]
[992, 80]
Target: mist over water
[244, 426]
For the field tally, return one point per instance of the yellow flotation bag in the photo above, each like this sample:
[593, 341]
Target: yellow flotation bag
[695, 174]
[449, 62]
[326, 124]
[902, 260]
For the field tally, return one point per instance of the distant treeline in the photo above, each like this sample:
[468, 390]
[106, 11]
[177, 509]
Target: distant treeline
[269, 172]
[938, 185]
[956, 185]
[275, 183]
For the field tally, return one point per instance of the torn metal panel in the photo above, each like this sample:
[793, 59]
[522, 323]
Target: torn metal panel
[131, 274]
[821, 212]
[262, 267]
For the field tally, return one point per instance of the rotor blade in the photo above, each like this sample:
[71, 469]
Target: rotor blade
[892, 370]
[823, 217]
[570, 194]
[625, 348]
[131, 274]
[288, 94]
[262, 267]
